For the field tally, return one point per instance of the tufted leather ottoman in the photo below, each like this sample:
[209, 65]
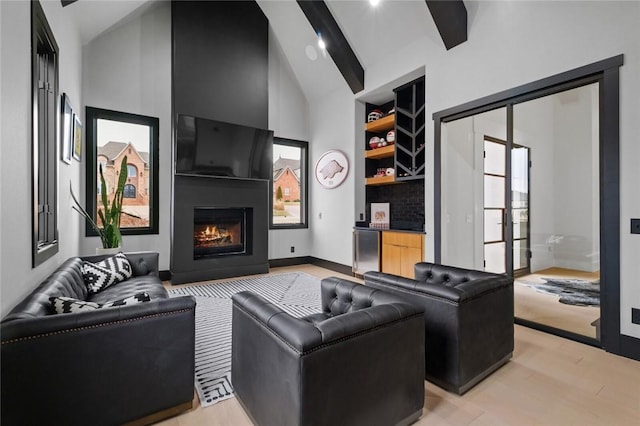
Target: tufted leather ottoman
[358, 362]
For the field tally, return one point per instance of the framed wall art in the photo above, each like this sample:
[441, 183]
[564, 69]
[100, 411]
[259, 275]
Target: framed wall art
[66, 129]
[77, 137]
[332, 168]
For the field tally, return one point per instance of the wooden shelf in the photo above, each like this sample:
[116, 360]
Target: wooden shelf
[381, 125]
[377, 153]
[381, 180]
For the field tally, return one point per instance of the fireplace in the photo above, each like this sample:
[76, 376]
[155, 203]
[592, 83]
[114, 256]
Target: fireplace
[235, 211]
[219, 231]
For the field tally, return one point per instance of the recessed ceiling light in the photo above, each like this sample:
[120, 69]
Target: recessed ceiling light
[374, 3]
[321, 43]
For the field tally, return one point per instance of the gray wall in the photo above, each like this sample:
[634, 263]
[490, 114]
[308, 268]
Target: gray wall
[17, 277]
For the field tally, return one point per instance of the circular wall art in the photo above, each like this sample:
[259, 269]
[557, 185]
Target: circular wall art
[332, 169]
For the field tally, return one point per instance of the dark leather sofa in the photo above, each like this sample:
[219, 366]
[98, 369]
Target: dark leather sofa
[468, 320]
[358, 362]
[104, 367]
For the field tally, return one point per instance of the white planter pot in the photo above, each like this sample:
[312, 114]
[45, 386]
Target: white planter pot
[113, 250]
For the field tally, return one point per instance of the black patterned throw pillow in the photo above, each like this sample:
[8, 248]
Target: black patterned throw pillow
[98, 276]
[69, 305]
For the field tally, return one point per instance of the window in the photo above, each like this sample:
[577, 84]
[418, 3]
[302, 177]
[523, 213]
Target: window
[129, 191]
[289, 184]
[112, 135]
[44, 75]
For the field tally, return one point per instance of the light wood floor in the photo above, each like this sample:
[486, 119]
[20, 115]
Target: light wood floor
[549, 381]
[546, 309]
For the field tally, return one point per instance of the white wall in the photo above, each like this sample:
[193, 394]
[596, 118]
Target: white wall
[288, 118]
[128, 69]
[458, 196]
[331, 215]
[513, 43]
[17, 277]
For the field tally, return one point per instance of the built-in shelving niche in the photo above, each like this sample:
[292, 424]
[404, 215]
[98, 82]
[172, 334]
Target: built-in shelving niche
[405, 189]
[407, 155]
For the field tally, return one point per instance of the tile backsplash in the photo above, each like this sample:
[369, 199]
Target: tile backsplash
[406, 201]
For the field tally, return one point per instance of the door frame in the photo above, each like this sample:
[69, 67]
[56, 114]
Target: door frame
[509, 247]
[607, 73]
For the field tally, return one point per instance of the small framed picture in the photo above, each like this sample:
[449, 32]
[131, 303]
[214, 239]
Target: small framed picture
[77, 137]
[380, 216]
[66, 129]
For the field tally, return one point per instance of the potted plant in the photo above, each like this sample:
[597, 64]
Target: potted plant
[110, 212]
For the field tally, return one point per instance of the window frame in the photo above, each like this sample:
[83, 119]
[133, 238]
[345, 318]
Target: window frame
[304, 185]
[44, 141]
[92, 115]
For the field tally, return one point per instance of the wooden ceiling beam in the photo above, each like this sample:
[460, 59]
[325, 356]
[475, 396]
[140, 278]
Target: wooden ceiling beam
[337, 46]
[450, 17]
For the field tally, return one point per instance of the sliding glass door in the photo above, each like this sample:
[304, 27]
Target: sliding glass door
[562, 287]
[520, 196]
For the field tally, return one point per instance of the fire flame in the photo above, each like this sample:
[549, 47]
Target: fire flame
[212, 235]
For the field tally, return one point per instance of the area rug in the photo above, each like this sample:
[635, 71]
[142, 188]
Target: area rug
[571, 291]
[296, 293]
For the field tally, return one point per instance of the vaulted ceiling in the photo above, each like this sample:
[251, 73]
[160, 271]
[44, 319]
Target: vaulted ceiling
[372, 33]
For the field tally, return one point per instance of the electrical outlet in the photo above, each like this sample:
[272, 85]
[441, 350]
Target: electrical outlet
[293, 249]
[361, 216]
[635, 226]
[635, 315]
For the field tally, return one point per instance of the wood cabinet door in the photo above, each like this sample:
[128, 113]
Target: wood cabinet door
[392, 259]
[400, 252]
[410, 256]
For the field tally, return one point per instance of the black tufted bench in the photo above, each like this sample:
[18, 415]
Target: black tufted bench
[358, 362]
[468, 320]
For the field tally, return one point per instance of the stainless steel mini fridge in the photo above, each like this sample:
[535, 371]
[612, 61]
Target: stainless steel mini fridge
[366, 251]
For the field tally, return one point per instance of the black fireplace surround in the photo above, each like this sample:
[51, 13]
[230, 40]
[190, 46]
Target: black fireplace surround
[202, 202]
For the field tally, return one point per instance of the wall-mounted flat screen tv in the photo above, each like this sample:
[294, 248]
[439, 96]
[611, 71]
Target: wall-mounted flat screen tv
[217, 148]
